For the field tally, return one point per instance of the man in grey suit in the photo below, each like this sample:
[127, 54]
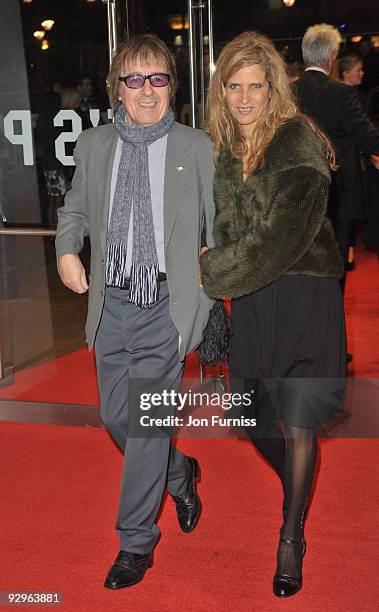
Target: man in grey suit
[142, 191]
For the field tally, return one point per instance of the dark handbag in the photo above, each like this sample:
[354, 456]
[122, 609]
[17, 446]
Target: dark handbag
[214, 347]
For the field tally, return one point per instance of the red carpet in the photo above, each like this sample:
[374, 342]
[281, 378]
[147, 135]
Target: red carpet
[71, 379]
[59, 496]
[362, 315]
[58, 503]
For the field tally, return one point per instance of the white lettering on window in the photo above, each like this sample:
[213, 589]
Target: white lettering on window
[66, 115]
[94, 115]
[25, 138]
[25, 135]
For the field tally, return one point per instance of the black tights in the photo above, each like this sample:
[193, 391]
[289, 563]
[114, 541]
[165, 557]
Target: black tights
[292, 454]
[272, 446]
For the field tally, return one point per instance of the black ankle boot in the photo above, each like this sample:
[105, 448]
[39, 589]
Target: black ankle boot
[290, 554]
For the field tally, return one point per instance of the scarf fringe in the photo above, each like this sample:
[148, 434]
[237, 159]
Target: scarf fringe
[116, 265]
[144, 285]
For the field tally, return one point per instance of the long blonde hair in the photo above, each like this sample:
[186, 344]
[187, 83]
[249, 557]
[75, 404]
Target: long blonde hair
[247, 49]
[70, 98]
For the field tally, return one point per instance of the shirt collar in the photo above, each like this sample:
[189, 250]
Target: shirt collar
[316, 68]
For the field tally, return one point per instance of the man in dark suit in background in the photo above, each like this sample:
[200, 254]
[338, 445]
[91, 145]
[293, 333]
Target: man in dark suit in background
[340, 115]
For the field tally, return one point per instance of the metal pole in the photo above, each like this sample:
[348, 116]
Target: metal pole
[3, 296]
[200, 36]
[114, 26]
[210, 32]
[26, 231]
[112, 30]
[192, 64]
[127, 18]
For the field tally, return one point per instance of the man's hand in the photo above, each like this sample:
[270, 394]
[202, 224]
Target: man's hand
[72, 273]
[375, 161]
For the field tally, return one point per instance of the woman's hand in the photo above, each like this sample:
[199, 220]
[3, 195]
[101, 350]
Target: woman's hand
[202, 251]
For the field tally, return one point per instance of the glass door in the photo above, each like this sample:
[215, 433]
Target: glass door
[186, 27]
[54, 62]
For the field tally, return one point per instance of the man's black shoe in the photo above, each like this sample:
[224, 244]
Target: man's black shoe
[188, 506]
[129, 568]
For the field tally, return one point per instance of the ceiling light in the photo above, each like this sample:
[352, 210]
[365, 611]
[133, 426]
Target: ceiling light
[39, 34]
[356, 39]
[44, 45]
[177, 22]
[47, 24]
[289, 3]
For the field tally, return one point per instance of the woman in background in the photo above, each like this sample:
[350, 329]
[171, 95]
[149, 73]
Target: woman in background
[351, 72]
[53, 170]
[70, 100]
[350, 68]
[277, 257]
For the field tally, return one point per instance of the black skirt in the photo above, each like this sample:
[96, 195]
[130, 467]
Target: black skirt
[288, 347]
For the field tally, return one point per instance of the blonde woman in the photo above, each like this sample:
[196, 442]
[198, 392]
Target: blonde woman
[350, 69]
[70, 98]
[277, 257]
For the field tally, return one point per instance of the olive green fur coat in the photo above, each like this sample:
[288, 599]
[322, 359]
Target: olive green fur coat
[274, 223]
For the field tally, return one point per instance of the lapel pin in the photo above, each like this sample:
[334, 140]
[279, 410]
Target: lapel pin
[180, 168]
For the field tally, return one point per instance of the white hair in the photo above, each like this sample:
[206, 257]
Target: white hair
[320, 42]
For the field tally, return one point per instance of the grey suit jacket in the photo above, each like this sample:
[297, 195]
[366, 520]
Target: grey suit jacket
[188, 203]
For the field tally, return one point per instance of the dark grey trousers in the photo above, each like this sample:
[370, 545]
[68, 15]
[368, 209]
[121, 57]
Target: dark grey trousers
[135, 344]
